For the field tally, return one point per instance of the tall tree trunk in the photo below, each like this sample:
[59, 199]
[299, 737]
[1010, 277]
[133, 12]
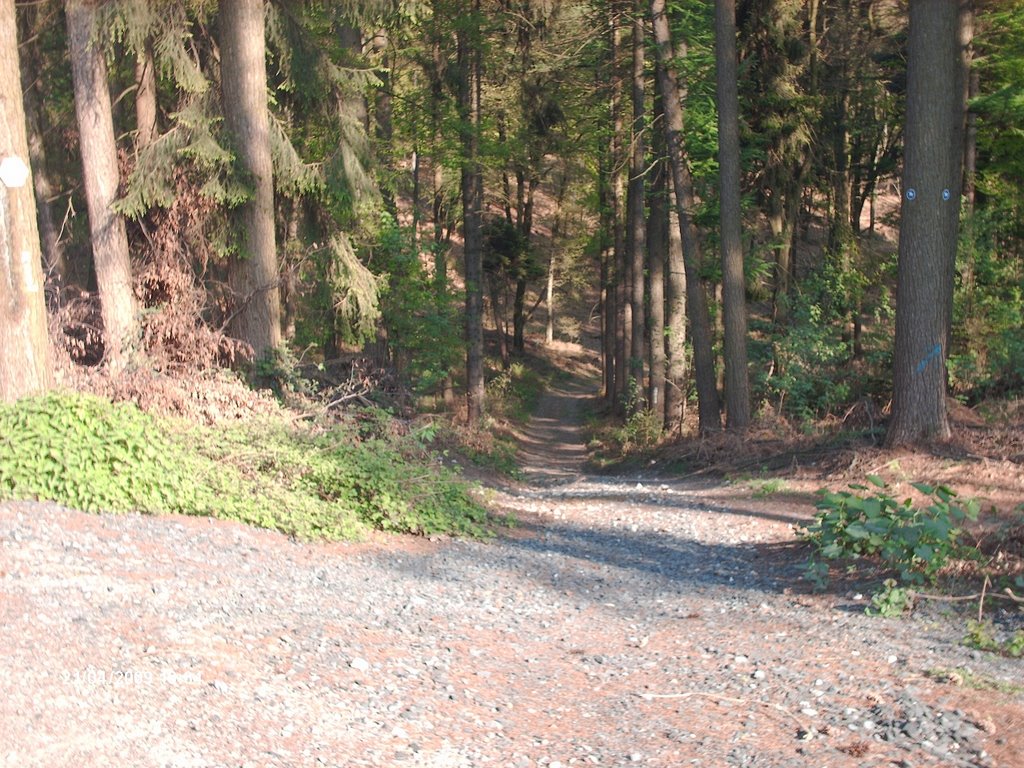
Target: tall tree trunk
[24, 344]
[971, 84]
[619, 270]
[783, 211]
[607, 269]
[932, 169]
[527, 197]
[145, 98]
[657, 258]
[472, 210]
[252, 273]
[636, 244]
[101, 176]
[709, 415]
[734, 295]
[31, 69]
[676, 374]
[383, 123]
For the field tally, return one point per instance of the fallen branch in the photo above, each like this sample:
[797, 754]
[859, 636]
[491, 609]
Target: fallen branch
[1006, 594]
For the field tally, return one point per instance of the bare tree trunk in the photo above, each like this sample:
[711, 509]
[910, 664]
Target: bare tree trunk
[549, 301]
[657, 258]
[607, 268]
[932, 175]
[145, 98]
[636, 244]
[24, 344]
[253, 273]
[31, 66]
[527, 196]
[472, 210]
[734, 297]
[677, 374]
[101, 176]
[619, 271]
[971, 85]
[696, 301]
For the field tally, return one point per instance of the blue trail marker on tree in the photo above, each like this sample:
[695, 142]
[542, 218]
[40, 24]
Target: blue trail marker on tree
[936, 351]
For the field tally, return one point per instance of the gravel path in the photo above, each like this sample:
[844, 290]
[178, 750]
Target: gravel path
[627, 621]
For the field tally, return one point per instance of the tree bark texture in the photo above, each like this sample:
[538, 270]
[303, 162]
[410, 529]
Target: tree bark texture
[472, 212]
[619, 271]
[24, 345]
[657, 257]
[253, 272]
[734, 295]
[31, 67]
[709, 416]
[101, 177]
[145, 98]
[971, 85]
[677, 369]
[932, 166]
[636, 223]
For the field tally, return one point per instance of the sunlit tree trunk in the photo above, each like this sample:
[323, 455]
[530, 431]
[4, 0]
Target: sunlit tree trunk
[31, 69]
[636, 243]
[101, 177]
[528, 195]
[709, 415]
[734, 299]
[620, 270]
[971, 85]
[607, 277]
[24, 344]
[145, 98]
[472, 210]
[657, 256]
[932, 170]
[677, 373]
[252, 273]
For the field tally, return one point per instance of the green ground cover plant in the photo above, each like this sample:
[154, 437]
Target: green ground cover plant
[917, 540]
[305, 480]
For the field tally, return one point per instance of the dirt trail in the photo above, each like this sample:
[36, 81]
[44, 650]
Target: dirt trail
[626, 621]
[552, 449]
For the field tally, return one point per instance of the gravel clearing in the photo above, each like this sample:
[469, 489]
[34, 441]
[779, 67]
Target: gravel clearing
[626, 621]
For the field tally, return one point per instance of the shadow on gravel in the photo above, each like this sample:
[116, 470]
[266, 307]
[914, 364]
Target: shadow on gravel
[602, 565]
[680, 500]
[674, 561]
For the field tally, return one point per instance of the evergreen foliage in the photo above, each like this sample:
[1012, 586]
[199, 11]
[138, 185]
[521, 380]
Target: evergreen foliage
[365, 137]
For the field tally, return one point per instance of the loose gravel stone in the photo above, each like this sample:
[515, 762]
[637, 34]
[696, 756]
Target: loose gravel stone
[616, 625]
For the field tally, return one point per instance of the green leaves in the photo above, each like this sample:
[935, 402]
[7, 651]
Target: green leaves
[916, 541]
[97, 456]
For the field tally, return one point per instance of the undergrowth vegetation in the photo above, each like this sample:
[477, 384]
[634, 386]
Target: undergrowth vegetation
[917, 541]
[306, 480]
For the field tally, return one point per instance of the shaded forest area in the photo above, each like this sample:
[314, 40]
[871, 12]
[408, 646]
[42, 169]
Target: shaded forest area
[733, 202]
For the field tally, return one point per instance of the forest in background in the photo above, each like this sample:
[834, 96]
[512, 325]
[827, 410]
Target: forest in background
[261, 185]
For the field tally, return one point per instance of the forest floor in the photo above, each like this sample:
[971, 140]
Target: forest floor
[635, 619]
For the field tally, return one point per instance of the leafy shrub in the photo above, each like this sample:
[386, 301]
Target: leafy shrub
[987, 355]
[513, 393]
[918, 541]
[90, 454]
[420, 315]
[891, 600]
[806, 381]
